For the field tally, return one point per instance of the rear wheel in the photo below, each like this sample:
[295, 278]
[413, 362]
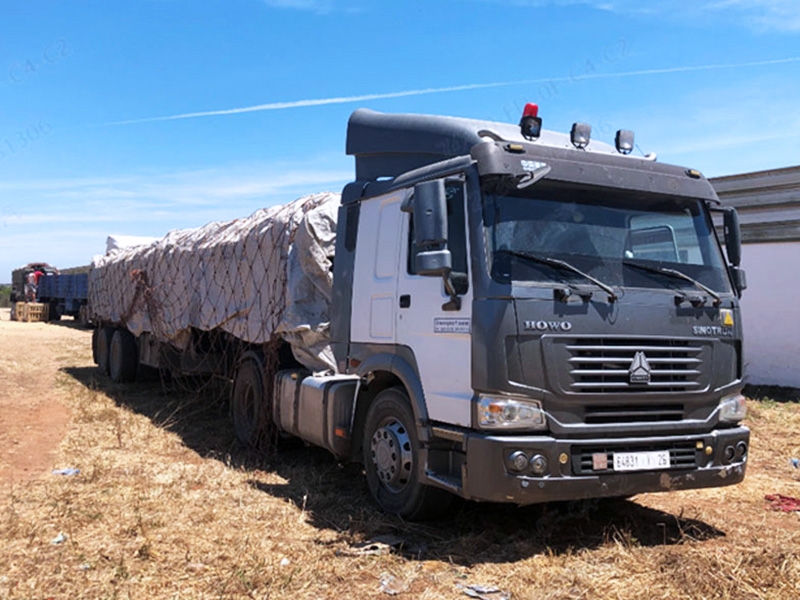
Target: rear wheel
[83, 316]
[53, 313]
[122, 357]
[101, 344]
[248, 401]
[391, 460]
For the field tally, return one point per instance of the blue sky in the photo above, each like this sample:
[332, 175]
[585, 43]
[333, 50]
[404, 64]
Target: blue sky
[96, 137]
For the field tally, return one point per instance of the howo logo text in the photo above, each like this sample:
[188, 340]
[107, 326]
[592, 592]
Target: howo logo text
[548, 326]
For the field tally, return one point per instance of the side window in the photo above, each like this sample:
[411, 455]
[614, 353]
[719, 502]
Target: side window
[665, 237]
[456, 233]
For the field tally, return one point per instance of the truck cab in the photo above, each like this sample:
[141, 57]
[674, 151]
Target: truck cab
[533, 316]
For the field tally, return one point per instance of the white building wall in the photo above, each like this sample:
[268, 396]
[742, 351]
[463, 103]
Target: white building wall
[771, 313]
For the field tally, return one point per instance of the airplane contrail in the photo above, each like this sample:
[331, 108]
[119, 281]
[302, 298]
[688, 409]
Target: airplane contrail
[442, 90]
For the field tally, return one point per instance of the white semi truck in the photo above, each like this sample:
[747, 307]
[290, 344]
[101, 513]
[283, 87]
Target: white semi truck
[488, 310]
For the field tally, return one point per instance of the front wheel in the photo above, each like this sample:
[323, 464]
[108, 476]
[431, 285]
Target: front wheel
[391, 460]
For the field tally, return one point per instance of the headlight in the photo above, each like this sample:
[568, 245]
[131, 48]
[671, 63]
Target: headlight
[732, 409]
[508, 413]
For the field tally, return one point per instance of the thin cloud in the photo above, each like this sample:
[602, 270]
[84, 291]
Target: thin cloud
[742, 127]
[780, 15]
[317, 102]
[449, 89]
[316, 6]
[190, 187]
[150, 203]
[764, 15]
[173, 197]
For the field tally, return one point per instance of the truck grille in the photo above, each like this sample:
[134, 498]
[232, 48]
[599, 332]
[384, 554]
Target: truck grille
[682, 455]
[602, 365]
[647, 413]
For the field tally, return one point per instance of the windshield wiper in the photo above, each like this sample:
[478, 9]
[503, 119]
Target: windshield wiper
[562, 264]
[678, 275]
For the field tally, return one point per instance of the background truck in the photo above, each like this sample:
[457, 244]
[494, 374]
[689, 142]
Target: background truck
[66, 293]
[21, 291]
[488, 310]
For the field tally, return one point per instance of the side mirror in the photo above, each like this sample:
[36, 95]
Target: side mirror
[739, 279]
[430, 229]
[733, 237]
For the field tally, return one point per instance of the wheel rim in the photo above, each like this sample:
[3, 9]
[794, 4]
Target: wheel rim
[391, 454]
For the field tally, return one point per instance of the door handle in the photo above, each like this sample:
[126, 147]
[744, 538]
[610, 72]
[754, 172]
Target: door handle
[405, 300]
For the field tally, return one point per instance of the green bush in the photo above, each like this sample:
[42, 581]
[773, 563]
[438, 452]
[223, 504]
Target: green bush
[5, 295]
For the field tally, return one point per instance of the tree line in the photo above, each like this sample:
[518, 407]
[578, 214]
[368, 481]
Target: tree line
[5, 295]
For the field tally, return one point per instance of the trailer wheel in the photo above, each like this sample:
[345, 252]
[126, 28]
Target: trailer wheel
[83, 316]
[122, 357]
[248, 400]
[101, 344]
[391, 460]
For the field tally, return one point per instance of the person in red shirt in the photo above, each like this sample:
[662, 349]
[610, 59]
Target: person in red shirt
[32, 285]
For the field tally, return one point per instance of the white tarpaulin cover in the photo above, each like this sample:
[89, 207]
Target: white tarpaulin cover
[257, 278]
[118, 242]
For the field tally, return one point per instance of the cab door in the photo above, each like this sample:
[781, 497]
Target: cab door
[426, 322]
[374, 311]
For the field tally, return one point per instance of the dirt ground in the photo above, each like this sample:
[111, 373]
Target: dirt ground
[167, 505]
[33, 416]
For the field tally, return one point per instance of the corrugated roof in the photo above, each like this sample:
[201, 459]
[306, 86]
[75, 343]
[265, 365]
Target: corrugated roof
[768, 203]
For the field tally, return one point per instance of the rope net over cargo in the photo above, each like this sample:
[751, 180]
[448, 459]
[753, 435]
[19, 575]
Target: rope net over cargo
[258, 279]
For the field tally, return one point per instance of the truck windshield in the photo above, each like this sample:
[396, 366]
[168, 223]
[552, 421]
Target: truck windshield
[603, 232]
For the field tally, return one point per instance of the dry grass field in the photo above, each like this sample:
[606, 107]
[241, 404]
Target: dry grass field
[167, 505]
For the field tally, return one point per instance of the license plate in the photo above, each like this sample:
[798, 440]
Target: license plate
[641, 461]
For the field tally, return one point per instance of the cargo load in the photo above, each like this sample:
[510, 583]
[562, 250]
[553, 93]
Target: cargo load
[257, 278]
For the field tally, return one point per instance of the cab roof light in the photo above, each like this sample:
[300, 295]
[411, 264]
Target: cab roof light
[531, 123]
[624, 141]
[580, 135]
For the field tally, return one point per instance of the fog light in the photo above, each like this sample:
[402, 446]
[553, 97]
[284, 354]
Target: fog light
[741, 450]
[539, 464]
[518, 460]
[729, 453]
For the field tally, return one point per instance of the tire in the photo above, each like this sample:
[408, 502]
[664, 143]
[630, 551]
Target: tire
[248, 401]
[391, 460]
[53, 314]
[83, 316]
[101, 344]
[122, 357]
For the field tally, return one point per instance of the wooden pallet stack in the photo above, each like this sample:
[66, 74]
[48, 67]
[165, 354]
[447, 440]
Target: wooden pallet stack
[30, 312]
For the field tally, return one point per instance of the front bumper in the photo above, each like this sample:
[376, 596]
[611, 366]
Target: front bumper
[575, 468]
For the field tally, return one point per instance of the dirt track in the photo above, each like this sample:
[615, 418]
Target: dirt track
[33, 417]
